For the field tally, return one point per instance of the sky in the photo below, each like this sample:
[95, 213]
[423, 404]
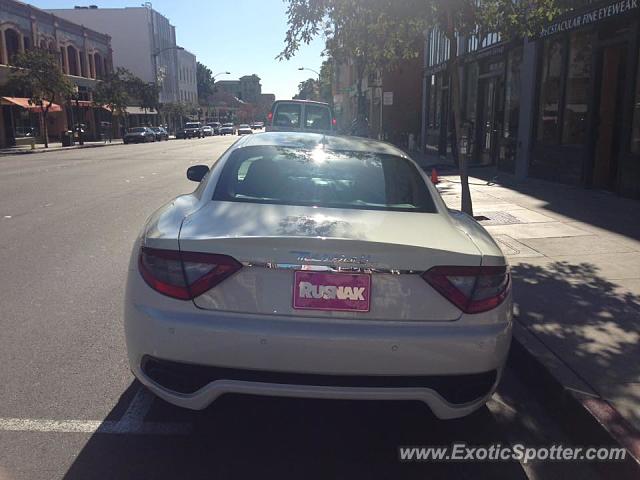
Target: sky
[238, 36]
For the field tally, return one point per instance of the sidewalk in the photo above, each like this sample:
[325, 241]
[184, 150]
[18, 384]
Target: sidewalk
[575, 256]
[53, 147]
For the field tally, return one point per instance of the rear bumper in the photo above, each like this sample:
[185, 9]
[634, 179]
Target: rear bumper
[190, 357]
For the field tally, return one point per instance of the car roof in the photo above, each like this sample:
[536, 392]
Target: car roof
[310, 140]
[313, 102]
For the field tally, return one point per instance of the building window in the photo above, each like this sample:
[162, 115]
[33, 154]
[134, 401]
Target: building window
[550, 87]
[635, 130]
[12, 44]
[472, 92]
[512, 93]
[72, 60]
[576, 108]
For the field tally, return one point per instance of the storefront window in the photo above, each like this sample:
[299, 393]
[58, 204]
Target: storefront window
[438, 109]
[574, 131]
[512, 93]
[472, 92]
[548, 120]
[635, 131]
[432, 101]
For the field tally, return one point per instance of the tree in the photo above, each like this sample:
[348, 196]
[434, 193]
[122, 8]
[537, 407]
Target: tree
[113, 91]
[205, 81]
[38, 72]
[360, 31]
[308, 90]
[372, 32]
[326, 81]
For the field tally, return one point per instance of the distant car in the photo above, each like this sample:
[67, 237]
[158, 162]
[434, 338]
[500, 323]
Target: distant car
[207, 131]
[257, 125]
[191, 130]
[161, 133]
[216, 127]
[244, 129]
[139, 135]
[300, 116]
[227, 129]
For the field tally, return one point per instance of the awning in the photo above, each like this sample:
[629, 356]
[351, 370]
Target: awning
[140, 111]
[24, 103]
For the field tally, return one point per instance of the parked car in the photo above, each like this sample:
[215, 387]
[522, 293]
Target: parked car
[139, 135]
[207, 131]
[227, 129]
[161, 133]
[191, 130]
[317, 265]
[244, 129]
[300, 116]
[216, 127]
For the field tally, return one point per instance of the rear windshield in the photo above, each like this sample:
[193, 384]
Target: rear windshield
[287, 115]
[137, 130]
[191, 125]
[323, 178]
[317, 117]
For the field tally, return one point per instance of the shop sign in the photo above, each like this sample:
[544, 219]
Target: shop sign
[590, 16]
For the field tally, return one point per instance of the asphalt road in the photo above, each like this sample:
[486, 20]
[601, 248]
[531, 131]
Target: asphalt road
[69, 407]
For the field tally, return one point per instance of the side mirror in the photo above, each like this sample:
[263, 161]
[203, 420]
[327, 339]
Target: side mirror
[197, 172]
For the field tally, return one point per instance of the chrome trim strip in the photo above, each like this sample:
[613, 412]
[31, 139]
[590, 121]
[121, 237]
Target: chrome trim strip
[330, 268]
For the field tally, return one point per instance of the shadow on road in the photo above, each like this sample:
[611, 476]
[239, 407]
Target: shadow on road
[262, 437]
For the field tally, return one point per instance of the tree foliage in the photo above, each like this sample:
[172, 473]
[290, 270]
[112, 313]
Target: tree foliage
[114, 91]
[205, 82]
[308, 90]
[37, 72]
[359, 31]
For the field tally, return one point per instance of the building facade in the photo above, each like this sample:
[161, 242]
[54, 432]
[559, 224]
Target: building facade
[247, 88]
[143, 41]
[187, 82]
[85, 55]
[564, 106]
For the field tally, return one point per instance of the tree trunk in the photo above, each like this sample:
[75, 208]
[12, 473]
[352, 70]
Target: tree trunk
[454, 76]
[45, 128]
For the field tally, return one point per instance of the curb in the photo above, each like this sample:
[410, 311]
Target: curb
[587, 417]
[61, 149]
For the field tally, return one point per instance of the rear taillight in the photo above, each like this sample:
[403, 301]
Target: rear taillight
[269, 116]
[334, 122]
[184, 275]
[471, 289]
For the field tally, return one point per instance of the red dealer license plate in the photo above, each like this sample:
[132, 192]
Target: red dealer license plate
[331, 291]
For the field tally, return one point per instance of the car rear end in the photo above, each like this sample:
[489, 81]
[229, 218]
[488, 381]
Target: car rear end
[301, 116]
[348, 300]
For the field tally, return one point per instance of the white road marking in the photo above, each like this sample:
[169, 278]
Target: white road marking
[131, 423]
[7, 216]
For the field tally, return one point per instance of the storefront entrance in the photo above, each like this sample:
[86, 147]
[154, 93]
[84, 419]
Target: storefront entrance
[609, 112]
[490, 113]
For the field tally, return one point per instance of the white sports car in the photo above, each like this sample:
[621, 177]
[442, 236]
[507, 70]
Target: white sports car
[317, 266]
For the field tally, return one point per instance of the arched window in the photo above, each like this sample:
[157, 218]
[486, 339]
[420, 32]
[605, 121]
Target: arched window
[97, 60]
[12, 41]
[74, 68]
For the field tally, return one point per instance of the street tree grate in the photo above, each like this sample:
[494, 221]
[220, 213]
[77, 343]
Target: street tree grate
[497, 218]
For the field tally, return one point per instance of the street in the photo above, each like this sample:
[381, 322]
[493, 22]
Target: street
[70, 408]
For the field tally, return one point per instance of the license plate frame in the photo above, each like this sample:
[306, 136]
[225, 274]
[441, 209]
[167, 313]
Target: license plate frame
[328, 285]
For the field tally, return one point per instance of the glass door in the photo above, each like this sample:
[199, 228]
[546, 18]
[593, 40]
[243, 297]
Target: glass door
[487, 134]
[609, 111]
